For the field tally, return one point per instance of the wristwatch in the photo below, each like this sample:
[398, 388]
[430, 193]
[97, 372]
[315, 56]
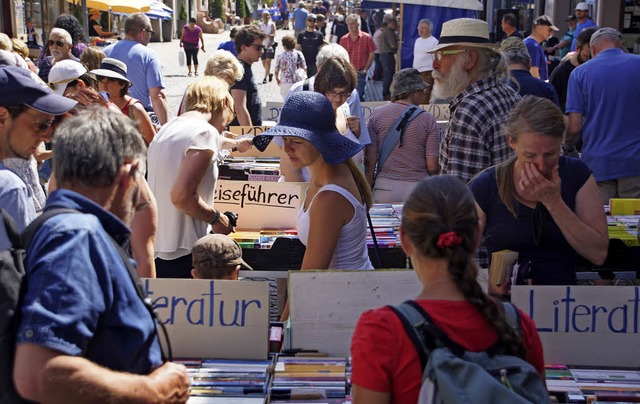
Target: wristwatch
[216, 218]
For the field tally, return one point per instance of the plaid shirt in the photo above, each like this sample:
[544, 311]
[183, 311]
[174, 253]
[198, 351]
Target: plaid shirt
[359, 49]
[474, 139]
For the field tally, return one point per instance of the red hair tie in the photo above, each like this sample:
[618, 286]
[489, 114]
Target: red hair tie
[449, 239]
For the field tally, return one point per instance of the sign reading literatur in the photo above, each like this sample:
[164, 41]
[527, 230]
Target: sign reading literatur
[260, 204]
[213, 318]
[585, 325]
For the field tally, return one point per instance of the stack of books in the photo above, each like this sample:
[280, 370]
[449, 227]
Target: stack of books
[249, 169]
[219, 379]
[261, 239]
[385, 219]
[581, 385]
[309, 378]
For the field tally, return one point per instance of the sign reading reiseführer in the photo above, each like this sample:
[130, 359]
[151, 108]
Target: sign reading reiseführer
[213, 318]
[259, 204]
[585, 325]
[440, 112]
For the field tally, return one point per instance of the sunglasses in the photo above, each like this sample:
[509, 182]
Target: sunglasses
[60, 44]
[152, 32]
[312, 20]
[258, 47]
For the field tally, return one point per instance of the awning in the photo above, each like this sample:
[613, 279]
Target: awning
[160, 11]
[117, 6]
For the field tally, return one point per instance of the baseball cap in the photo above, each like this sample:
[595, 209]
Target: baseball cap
[545, 20]
[571, 18]
[605, 31]
[19, 86]
[582, 6]
[311, 16]
[64, 72]
[217, 251]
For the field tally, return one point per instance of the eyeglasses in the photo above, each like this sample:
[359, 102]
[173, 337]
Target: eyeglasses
[150, 31]
[439, 54]
[341, 94]
[258, 47]
[59, 44]
[56, 84]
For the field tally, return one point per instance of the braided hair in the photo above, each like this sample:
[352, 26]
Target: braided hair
[441, 221]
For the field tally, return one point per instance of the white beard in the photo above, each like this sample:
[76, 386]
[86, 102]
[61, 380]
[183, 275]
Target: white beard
[452, 85]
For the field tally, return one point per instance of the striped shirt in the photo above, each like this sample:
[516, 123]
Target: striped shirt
[408, 159]
[474, 140]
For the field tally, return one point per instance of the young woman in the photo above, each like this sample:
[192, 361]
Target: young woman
[190, 41]
[112, 77]
[440, 233]
[543, 205]
[332, 220]
[269, 29]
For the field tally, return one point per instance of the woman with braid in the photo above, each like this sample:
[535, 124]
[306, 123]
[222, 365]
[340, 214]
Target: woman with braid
[440, 234]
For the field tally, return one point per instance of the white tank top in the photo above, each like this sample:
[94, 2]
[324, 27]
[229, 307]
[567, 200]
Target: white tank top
[351, 251]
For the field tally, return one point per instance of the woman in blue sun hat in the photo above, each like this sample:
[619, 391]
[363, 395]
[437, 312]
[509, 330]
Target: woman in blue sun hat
[332, 221]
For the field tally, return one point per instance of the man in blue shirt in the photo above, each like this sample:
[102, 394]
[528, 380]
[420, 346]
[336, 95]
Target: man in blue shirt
[27, 108]
[602, 104]
[582, 15]
[143, 65]
[519, 64]
[542, 30]
[85, 334]
[299, 19]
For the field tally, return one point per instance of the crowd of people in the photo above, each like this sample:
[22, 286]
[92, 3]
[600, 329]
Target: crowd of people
[139, 184]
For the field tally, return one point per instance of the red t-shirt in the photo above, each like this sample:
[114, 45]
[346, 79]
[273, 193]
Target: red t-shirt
[385, 359]
[359, 49]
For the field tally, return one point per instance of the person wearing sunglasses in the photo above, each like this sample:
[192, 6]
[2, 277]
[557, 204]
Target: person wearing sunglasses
[60, 44]
[543, 28]
[468, 70]
[538, 203]
[144, 69]
[250, 47]
[310, 42]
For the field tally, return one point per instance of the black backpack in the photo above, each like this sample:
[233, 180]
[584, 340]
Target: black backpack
[12, 289]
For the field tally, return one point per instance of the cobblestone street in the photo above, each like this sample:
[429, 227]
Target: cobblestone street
[176, 79]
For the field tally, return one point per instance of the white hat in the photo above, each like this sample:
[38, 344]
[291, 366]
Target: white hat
[465, 32]
[582, 6]
[113, 68]
[64, 72]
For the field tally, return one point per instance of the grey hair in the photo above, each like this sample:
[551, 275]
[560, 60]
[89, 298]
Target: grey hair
[90, 147]
[606, 37]
[518, 57]
[135, 23]
[63, 33]
[5, 42]
[329, 52]
[224, 65]
[493, 64]
[428, 22]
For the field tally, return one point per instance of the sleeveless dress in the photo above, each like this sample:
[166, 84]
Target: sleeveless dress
[351, 251]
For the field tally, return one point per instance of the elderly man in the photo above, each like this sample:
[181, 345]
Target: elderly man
[27, 109]
[473, 73]
[398, 159]
[300, 19]
[509, 26]
[361, 50]
[422, 59]
[582, 15]
[542, 29]
[143, 66]
[519, 63]
[602, 104]
[85, 333]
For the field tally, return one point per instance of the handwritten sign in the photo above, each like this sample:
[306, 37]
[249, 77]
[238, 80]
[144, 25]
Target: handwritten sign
[213, 318]
[261, 205]
[325, 305]
[585, 325]
[439, 111]
[273, 150]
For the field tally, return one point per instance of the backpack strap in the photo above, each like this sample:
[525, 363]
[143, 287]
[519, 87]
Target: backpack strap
[394, 136]
[412, 320]
[11, 229]
[305, 84]
[513, 319]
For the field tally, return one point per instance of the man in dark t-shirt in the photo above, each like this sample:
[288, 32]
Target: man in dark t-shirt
[309, 42]
[245, 94]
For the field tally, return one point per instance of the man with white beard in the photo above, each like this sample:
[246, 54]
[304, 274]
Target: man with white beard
[467, 67]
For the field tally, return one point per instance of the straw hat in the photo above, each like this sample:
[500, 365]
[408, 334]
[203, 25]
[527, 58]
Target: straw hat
[465, 32]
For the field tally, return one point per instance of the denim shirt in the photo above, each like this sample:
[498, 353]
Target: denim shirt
[80, 299]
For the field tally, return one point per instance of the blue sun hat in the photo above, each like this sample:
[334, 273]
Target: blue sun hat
[309, 116]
